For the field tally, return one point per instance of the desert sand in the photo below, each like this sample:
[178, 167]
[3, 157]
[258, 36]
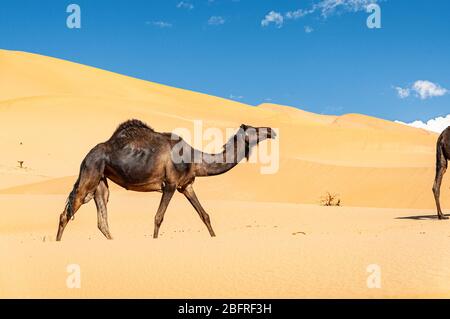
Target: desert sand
[274, 239]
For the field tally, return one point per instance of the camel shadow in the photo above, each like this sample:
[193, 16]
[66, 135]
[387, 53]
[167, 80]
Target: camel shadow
[423, 217]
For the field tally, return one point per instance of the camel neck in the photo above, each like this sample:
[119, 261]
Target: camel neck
[216, 164]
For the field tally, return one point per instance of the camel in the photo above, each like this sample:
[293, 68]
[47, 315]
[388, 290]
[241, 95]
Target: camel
[442, 157]
[140, 159]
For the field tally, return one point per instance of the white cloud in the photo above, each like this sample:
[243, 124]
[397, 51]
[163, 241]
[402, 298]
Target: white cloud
[297, 14]
[236, 97]
[403, 93]
[216, 20]
[329, 7]
[437, 125]
[427, 89]
[160, 24]
[185, 5]
[273, 17]
[326, 8]
[308, 29]
[423, 89]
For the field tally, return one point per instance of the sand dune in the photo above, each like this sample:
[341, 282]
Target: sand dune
[51, 123]
[52, 112]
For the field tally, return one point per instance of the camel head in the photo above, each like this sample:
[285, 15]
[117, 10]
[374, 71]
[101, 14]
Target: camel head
[255, 135]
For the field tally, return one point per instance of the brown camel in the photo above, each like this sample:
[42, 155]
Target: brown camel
[142, 160]
[442, 157]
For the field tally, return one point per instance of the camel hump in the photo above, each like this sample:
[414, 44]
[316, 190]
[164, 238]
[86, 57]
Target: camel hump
[131, 128]
[446, 131]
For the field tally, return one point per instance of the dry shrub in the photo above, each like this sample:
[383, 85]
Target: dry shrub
[330, 199]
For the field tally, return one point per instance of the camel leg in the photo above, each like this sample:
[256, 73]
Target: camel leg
[101, 198]
[441, 168]
[80, 196]
[84, 189]
[192, 198]
[168, 192]
[63, 221]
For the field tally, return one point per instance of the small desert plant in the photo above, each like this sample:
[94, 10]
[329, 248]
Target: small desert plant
[330, 199]
[20, 163]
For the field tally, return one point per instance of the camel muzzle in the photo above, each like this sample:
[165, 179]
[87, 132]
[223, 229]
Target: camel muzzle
[273, 134]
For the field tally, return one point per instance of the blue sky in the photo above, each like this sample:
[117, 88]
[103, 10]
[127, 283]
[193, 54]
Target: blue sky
[327, 61]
